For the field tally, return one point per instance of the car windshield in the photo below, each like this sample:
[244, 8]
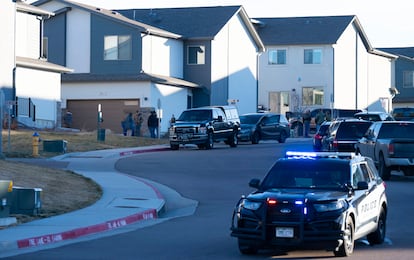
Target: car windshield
[352, 130]
[397, 130]
[308, 174]
[250, 119]
[195, 115]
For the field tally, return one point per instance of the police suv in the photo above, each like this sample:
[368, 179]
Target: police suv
[318, 200]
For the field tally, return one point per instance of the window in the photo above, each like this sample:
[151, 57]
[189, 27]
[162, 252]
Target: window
[277, 57]
[313, 56]
[117, 47]
[312, 96]
[196, 54]
[408, 81]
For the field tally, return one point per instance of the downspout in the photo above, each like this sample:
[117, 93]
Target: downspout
[356, 71]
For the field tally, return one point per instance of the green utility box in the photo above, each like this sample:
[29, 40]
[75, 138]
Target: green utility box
[101, 134]
[6, 188]
[26, 201]
[55, 146]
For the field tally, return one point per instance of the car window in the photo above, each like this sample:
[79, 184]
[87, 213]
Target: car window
[400, 130]
[250, 119]
[195, 115]
[324, 174]
[352, 129]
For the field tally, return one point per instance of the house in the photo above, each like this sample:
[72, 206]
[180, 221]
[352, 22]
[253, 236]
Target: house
[221, 50]
[120, 66]
[325, 61]
[31, 84]
[404, 76]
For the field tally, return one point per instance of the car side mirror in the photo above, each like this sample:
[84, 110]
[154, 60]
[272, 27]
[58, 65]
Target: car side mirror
[220, 119]
[254, 183]
[362, 185]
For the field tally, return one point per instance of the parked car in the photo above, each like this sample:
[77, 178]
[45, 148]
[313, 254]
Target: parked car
[390, 145]
[403, 113]
[344, 134]
[263, 126]
[374, 116]
[316, 200]
[320, 135]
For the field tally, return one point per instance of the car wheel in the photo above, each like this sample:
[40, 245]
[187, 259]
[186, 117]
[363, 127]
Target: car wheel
[246, 248]
[408, 171]
[233, 141]
[378, 236]
[210, 141]
[174, 146]
[255, 138]
[384, 171]
[282, 137]
[347, 246]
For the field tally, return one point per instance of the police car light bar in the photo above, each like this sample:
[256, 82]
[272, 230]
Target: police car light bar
[294, 154]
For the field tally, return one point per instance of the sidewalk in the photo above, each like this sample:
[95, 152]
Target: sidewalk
[126, 200]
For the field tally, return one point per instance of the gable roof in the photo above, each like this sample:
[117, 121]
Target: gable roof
[405, 53]
[30, 9]
[40, 65]
[192, 22]
[115, 16]
[302, 30]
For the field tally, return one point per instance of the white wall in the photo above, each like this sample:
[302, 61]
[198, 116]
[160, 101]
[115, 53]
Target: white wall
[43, 88]
[234, 54]
[27, 36]
[295, 74]
[162, 56]
[7, 12]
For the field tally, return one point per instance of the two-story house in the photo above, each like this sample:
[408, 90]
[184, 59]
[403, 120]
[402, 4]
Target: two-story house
[163, 59]
[31, 83]
[120, 66]
[404, 76]
[313, 62]
[221, 50]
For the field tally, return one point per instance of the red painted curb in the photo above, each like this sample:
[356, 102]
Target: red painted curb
[75, 233]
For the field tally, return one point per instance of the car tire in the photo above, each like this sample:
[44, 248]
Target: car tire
[233, 141]
[348, 242]
[384, 171]
[210, 141]
[255, 138]
[282, 137]
[378, 236]
[246, 248]
[174, 146]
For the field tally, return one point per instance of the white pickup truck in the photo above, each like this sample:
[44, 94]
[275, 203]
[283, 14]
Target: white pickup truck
[391, 146]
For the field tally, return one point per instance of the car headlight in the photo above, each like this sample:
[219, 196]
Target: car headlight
[202, 130]
[330, 206]
[251, 205]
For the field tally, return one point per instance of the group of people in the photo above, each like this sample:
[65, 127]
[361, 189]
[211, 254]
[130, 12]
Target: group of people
[319, 119]
[132, 124]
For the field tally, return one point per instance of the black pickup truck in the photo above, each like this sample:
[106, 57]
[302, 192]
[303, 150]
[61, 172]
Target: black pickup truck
[391, 145]
[204, 126]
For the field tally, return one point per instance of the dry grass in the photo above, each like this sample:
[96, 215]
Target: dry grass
[58, 186]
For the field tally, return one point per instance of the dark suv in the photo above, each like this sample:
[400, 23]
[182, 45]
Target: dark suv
[403, 113]
[315, 200]
[344, 134]
[205, 125]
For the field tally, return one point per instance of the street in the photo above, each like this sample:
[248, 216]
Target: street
[216, 179]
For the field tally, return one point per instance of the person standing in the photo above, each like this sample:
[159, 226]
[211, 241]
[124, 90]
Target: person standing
[306, 122]
[319, 119]
[153, 124]
[128, 125]
[138, 123]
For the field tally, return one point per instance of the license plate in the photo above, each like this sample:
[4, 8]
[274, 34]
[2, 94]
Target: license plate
[284, 232]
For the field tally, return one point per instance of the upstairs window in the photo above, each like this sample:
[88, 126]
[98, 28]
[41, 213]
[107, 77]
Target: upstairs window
[196, 54]
[408, 81]
[313, 56]
[277, 57]
[117, 47]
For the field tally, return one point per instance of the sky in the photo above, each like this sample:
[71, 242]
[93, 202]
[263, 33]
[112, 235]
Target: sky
[386, 23]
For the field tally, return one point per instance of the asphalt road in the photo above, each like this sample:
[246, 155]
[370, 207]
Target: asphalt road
[216, 179]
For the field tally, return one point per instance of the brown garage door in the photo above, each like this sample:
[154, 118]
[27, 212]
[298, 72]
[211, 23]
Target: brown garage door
[85, 113]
